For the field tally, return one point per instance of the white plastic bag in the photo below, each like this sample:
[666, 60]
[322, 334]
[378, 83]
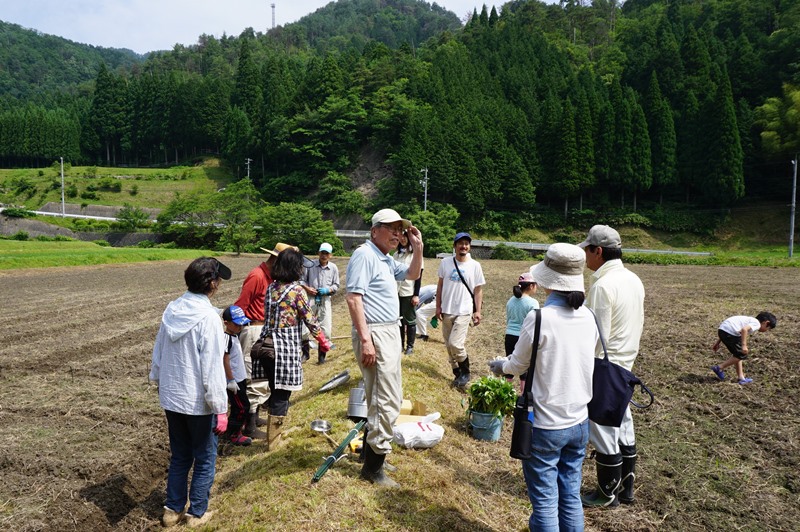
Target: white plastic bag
[419, 435]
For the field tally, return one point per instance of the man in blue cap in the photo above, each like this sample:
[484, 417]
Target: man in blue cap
[321, 281]
[459, 297]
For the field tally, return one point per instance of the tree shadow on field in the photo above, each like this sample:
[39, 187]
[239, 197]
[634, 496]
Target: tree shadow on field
[423, 367]
[427, 515]
[111, 497]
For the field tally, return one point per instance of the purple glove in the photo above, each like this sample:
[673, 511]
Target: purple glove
[222, 424]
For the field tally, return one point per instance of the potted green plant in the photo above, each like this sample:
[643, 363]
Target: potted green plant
[490, 400]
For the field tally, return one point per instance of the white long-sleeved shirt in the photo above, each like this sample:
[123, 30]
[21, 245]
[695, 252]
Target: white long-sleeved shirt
[562, 378]
[187, 358]
[617, 299]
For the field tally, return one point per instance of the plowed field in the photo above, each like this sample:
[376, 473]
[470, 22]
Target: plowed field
[84, 444]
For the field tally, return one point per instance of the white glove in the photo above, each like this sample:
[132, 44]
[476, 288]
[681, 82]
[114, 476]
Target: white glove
[232, 386]
[496, 366]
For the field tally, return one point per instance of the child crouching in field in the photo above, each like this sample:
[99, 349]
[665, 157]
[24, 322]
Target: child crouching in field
[734, 332]
[234, 320]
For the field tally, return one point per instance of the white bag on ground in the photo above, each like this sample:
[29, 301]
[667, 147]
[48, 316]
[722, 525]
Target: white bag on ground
[419, 435]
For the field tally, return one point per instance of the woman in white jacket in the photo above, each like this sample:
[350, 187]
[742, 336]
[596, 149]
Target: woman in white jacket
[187, 367]
[562, 389]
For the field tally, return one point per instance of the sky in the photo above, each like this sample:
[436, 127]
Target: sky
[149, 25]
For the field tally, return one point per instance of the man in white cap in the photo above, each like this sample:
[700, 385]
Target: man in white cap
[321, 281]
[374, 306]
[251, 301]
[617, 299]
[459, 298]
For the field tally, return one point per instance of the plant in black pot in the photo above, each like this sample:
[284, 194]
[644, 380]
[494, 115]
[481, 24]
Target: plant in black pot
[490, 400]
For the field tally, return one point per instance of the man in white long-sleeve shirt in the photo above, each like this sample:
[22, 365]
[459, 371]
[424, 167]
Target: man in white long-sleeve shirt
[617, 299]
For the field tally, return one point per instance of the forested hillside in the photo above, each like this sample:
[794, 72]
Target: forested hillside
[32, 63]
[571, 106]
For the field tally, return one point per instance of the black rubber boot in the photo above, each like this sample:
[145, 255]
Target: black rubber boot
[457, 373]
[321, 356]
[306, 349]
[463, 378]
[402, 336]
[372, 469]
[260, 422]
[628, 473]
[251, 429]
[412, 335]
[609, 474]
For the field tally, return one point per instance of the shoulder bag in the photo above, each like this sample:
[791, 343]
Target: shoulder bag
[612, 389]
[474, 308]
[523, 410]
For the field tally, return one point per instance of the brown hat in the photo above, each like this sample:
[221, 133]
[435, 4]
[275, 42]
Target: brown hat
[280, 246]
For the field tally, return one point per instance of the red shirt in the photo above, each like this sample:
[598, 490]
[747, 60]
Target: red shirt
[254, 290]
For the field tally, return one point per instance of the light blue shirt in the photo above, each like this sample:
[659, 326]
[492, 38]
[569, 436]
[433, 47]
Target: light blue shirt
[516, 310]
[374, 275]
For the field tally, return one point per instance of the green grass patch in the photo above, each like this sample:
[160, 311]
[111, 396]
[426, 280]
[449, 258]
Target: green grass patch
[16, 254]
[99, 185]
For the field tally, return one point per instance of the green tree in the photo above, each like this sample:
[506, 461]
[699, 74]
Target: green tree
[297, 224]
[779, 122]
[131, 218]
[437, 226]
[723, 181]
[235, 210]
[662, 138]
[336, 195]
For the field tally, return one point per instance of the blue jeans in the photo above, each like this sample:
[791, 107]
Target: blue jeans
[553, 478]
[191, 442]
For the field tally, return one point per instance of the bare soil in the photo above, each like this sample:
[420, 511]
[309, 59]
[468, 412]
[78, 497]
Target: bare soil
[85, 445]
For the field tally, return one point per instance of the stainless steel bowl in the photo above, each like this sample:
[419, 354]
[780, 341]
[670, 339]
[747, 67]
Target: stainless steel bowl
[321, 425]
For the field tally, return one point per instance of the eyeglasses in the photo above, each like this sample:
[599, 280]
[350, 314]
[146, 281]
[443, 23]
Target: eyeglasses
[393, 228]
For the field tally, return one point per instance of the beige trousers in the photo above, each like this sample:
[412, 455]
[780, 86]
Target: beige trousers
[454, 332]
[383, 384]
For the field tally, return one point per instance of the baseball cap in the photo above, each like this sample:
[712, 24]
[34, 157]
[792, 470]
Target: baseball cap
[602, 236]
[459, 236]
[526, 278]
[388, 216]
[280, 246]
[326, 247]
[235, 315]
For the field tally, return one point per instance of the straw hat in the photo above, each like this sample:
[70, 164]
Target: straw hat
[561, 269]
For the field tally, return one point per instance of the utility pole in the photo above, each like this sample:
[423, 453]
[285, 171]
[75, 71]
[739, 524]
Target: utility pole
[62, 188]
[273, 15]
[791, 216]
[424, 183]
[247, 162]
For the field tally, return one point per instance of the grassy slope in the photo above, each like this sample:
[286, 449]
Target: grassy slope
[155, 186]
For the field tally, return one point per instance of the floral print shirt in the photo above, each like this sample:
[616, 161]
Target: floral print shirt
[293, 307]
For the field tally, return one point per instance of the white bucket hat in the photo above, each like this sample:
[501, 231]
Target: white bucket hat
[561, 269]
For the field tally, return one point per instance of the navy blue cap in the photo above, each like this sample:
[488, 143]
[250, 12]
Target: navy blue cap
[459, 236]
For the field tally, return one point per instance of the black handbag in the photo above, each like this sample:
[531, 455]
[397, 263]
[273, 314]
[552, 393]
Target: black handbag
[612, 390]
[523, 410]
